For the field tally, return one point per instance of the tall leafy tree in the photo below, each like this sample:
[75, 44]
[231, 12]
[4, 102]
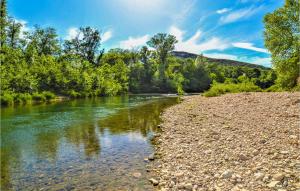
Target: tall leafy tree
[163, 44]
[87, 44]
[282, 38]
[3, 22]
[145, 54]
[13, 33]
[43, 41]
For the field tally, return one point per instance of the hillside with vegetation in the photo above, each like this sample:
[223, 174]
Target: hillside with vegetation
[227, 62]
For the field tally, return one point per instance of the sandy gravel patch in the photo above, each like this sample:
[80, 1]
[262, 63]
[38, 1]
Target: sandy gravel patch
[247, 141]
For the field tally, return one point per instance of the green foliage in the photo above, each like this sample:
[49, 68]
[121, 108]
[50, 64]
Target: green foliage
[219, 89]
[282, 38]
[43, 41]
[73, 94]
[274, 88]
[34, 66]
[39, 97]
[22, 98]
[49, 95]
[7, 99]
[163, 44]
[3, 22]
[85, 44]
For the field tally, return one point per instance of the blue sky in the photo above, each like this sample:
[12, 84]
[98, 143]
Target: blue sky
[231, 29]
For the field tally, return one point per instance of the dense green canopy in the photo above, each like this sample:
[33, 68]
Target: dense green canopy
[282, 38]
[36, 65]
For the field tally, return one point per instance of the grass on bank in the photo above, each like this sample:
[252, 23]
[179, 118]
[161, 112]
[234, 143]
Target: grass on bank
[223, 88]
[7, 99]
[219, 89]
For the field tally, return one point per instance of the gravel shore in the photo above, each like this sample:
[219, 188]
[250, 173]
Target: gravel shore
[246, 141]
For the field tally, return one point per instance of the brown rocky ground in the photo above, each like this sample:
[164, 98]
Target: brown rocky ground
[247, 141]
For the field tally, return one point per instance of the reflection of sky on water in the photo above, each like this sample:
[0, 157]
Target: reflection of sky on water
[43, 145]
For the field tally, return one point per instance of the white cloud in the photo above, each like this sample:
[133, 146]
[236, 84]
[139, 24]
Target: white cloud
[221, 56]
[134, 42]
[72, 33]
[193, 45]
[24, 27]
[185, 8]
[249, 46]
[258, 60]
[221, 11]
[176, 32]
[140, 10]
[239, 14]
[106, 36]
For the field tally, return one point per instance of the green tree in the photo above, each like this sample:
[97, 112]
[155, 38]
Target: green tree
[86, 44]
[13, 33]
[197, 78]
[43, 41]
[145, 55]
[282, 38]
[163, 44]
[3, 22]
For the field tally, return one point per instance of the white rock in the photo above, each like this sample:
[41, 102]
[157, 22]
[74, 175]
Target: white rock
[227, 174]
[154, 181]
[188, 186]
[273, 184]
[259, 176]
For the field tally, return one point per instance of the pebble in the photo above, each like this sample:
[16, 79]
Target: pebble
[227, 174]
[259, 176]
[244, 145]
[188, 186]
[137, 174]
[273, 184]
[154, 181]
[151, 157]
[278, 176]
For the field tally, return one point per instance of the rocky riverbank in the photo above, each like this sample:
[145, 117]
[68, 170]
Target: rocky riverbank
[247, 141]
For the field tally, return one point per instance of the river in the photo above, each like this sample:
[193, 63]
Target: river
[88, 144]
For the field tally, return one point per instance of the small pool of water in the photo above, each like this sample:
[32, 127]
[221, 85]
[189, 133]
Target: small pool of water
[90, 144]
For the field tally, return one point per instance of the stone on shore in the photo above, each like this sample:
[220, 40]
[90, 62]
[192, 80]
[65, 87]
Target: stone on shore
[245, 141]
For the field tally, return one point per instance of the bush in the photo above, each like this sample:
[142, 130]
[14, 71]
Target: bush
[39, 97]
[49, 95]
[22, 98]
[296, 88]
[274, 88]
[73, 94]
[219, 89]
[7, 99]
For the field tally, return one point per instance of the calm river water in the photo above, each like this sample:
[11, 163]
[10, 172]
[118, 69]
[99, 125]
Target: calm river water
[91, 144]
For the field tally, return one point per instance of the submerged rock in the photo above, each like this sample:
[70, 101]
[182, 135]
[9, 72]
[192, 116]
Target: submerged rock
[136, 174]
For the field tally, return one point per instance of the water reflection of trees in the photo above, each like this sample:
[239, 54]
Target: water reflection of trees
[143, 118]
[47, 144]
[10, 159]
[86, 136]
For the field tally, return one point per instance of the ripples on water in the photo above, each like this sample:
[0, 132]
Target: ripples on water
[92, 144]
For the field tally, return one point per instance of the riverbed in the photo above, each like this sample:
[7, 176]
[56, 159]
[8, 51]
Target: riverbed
[89, 144]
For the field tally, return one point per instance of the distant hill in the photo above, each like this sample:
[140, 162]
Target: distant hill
[182, 54]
